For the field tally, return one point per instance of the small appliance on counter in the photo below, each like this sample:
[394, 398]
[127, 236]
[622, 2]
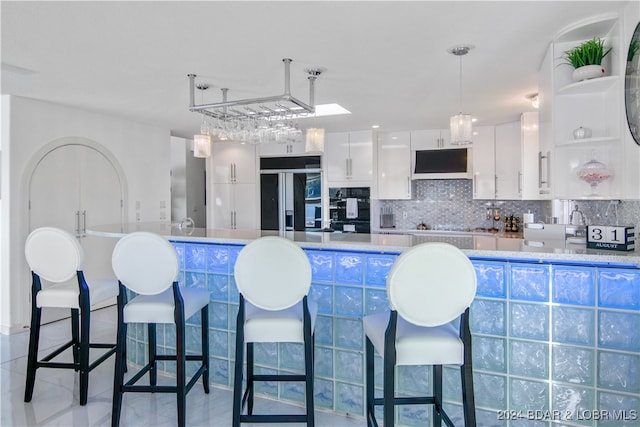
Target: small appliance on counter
[387, 219]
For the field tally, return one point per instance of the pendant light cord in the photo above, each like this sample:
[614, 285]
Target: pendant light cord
[460, 86]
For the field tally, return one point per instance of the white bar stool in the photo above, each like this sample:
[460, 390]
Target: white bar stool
[148, 265]
[273, 276]
[429, 286]
[55, 256]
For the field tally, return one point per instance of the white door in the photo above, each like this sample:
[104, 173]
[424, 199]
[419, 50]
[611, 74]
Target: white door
[73, 187]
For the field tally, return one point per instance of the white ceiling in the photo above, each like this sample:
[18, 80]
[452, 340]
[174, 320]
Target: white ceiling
[386, 61]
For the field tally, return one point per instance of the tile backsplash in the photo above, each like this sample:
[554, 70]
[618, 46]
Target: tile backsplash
[449, 204]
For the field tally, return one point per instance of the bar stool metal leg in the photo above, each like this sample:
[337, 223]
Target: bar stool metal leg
[118, 378]
[437, 395]
[466, 371]
[34, 339]
[204, 325]
[75, 337]
[151, 352]
[389, 370]
[308, 359]
[250, 378]
[237, 381]
[370, 383]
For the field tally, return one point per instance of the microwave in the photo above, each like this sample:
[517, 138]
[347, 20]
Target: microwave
[444, 163]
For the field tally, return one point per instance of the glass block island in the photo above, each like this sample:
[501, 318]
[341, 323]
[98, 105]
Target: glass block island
[556, 332]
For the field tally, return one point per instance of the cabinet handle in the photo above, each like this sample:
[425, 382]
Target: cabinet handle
[84, 224]
[77, 223]
[548, 168]
[475, 184]
[409, 186]
[519, 182]
[346, 168]
[539, 169]
[495, 185]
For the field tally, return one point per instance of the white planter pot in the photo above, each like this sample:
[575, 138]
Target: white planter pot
[588, 72]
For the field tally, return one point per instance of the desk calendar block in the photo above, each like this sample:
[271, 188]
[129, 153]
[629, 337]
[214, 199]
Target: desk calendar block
[611, 238]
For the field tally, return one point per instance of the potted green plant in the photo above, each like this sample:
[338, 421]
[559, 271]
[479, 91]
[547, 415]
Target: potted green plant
[586, 58]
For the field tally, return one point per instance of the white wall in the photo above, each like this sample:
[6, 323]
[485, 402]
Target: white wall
[31, 127]
[187, 183]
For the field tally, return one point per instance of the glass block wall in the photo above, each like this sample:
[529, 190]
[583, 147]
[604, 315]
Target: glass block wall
[553, 343]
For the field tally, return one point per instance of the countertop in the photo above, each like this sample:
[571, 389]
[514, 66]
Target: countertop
[499, 245]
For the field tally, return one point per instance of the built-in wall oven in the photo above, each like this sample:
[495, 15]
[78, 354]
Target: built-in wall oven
[349, 209]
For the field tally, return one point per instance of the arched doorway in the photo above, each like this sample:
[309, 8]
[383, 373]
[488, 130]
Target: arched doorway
[73, 186]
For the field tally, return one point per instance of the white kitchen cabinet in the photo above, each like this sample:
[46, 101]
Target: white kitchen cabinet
[529, 148]
[431, 139]
[349, 158]
[234, 206]
[231, 194]
[595, 104]
[394, 165]
[233, 162]
[276, 149]
[546, 154]
[508, 161]
[484, 169]
[505, 163]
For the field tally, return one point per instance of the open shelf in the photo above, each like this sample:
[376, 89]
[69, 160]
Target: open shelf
[591, 86]
[593, 140]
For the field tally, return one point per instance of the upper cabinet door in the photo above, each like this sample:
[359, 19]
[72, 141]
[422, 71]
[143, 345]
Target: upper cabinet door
[361, 156]
[484, 163]
[508, 161]
[233, 162]
[336, 154]
[394, 165]
[275, 149]
[431, 139]
[349, 158]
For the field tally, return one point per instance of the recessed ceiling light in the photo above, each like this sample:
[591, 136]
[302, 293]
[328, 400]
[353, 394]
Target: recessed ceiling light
[375, 126]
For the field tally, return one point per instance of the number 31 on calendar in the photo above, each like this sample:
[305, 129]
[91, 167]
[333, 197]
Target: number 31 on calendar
[611, 238]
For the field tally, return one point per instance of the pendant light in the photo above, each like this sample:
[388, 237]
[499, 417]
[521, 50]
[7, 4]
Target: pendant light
[202, 141]
[461, 127]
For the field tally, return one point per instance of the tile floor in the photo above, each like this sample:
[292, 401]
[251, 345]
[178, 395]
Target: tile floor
[55, 398]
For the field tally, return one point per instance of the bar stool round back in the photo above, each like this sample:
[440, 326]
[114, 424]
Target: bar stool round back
[55, 257]
[147, 265]
[273, 276]
[429, 286]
